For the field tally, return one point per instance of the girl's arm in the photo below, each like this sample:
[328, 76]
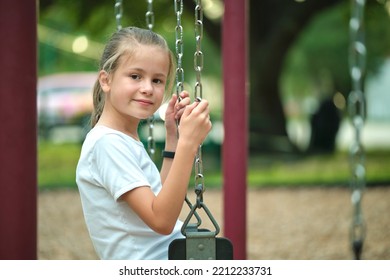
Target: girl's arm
[173, 114]
[161, 212]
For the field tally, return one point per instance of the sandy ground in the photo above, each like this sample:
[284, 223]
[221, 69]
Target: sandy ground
[282, 224]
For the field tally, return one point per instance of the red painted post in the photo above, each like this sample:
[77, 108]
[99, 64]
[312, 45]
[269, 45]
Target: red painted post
[18, 179]
[234, 149]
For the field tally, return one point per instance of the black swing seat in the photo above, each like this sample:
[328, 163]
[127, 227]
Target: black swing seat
[200, 245]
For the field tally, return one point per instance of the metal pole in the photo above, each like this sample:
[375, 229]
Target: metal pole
[18, 179]
[234, 149]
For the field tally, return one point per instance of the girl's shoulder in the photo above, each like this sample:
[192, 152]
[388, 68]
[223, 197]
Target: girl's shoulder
[105, 138]
[103, 132]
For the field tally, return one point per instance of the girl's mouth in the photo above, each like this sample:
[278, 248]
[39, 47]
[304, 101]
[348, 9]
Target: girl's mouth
[144, 102]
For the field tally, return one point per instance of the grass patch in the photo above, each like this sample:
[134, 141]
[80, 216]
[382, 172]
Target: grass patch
[310, 170]
[57, 166]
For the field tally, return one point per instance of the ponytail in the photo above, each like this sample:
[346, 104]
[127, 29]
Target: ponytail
[98, 103]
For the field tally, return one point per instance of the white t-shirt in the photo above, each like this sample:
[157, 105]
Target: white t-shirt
[112, 163]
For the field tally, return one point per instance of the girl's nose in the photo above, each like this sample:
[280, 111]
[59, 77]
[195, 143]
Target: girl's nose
[147, 87]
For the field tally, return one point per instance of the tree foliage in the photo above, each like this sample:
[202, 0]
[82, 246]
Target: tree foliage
[295, 47]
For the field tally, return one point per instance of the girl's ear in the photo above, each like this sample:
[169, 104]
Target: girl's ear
[104, 80]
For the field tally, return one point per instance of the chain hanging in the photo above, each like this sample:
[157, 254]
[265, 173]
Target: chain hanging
[149, 16]
[178, 4]
[198, 66]
[118, 14]
[179, 47]
[356, 108]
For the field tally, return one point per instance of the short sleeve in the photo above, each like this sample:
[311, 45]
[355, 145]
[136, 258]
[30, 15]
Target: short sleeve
[116, 162]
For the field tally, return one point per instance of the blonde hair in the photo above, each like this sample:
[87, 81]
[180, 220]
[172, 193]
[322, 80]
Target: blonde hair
[124, 42]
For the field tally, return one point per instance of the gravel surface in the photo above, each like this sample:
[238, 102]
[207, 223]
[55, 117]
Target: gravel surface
[282, 224]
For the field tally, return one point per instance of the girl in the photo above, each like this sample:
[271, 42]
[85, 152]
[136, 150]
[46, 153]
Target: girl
[131, 210]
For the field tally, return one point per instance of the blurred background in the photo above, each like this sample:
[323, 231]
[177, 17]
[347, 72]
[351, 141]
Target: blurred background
[299, 129]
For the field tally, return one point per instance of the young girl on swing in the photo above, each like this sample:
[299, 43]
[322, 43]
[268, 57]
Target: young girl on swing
[131, 210]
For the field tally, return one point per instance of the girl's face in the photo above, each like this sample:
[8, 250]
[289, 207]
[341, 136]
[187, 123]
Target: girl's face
[136, 89]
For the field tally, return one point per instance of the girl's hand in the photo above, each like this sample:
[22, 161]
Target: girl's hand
[195, 123]
[174, 111]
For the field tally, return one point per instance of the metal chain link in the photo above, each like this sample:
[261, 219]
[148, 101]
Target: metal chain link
[179, 47]
[198, 55]
[178, 4]
[356, 108]
[118, 14]
[151, 141]
[149, 16]
[198, 66]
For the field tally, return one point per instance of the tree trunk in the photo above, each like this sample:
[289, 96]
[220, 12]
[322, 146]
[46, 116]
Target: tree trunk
[275, 25]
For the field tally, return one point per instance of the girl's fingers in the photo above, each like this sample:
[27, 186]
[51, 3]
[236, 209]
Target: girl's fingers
[173, 99]
[171, 105]
[196, 110]
[180, 106]
[183, 103]
[184, 107]
[202, 106]
[184, 94]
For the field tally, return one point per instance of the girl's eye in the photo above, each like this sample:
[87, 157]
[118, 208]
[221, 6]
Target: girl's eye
[159, 81]
[135, 76]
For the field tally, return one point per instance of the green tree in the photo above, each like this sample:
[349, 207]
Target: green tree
[287, 44]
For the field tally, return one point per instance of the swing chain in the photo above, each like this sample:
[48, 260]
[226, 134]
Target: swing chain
[198, 55]
[356, 109]
[118, 14]
[178, 4]
[151, 142]
[198, 66]
[149, 16]
[179, 47]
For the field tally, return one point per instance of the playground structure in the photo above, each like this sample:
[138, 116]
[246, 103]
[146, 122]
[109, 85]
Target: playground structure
[18, 145]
